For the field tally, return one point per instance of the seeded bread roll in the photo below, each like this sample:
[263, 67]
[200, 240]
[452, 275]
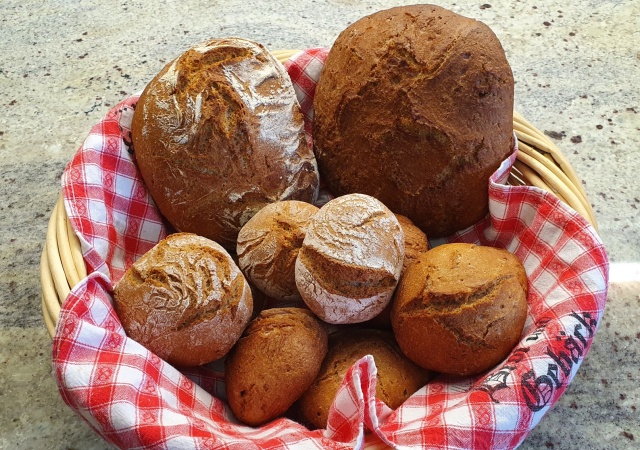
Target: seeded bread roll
[274, 362]
[268, 245]
[397, 378]
[185, 300]
[218, 135]
[350, 260]
[461, 308]
[414, 106]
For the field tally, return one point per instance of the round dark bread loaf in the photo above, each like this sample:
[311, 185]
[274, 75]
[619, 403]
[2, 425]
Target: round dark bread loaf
[414, 106]
[461, 308]
[275, 361]
[397, 378]
[218, 134]
[185, 300]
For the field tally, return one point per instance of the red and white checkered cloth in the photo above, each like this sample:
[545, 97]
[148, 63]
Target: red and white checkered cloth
[133, 399]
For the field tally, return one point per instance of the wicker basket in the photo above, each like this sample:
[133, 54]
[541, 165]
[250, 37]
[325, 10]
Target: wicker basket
[539, 163]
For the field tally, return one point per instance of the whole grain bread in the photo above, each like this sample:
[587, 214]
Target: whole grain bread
[414, 106]
[461, 308]
[350, 260]
[268, 245]
[185, 300]
[274, 362]
[218, 134]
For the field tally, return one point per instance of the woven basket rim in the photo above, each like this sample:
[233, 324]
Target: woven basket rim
[539, 163]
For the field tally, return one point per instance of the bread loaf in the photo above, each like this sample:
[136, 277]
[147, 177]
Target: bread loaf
[185, 300]
[274, 362]
[350, 260]
[218, 134]
[268, 245]
[461, 308]
[414, 106]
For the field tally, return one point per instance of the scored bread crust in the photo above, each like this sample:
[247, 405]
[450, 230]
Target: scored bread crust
[414, 106]
[461, 308]
[218, 134]
[350, 260]
[268, 245]
[185, 300]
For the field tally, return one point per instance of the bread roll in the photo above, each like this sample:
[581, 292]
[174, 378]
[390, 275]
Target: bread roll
[268, 245]
[218, 134]
[185, 300]
[461, 308]
[414, 106]
[397, 377]
[350, 260]
[275, 361]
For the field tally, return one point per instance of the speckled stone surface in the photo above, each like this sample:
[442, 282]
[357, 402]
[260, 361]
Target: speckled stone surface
[63, 64]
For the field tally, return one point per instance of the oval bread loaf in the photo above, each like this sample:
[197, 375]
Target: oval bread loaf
[218, 134]
[274, 362]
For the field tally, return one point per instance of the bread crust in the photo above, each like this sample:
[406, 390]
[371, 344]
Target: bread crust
[461, 308]
[414, 106]
[218, 134]
[350, 260]
[268, 245]
[397, 377]
[184, 300]
[274, 362]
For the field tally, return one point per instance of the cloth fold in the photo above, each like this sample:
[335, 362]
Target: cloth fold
[133, 399]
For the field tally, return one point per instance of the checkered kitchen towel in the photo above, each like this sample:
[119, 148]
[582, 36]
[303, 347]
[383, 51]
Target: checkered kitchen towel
[133, 399]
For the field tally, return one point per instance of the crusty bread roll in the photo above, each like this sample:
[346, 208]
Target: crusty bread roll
[218, 134]
[397, 378]
[268, 245]
[461, 308]
[414, 106]
[185, 300]
[350, 260]
[274, 362]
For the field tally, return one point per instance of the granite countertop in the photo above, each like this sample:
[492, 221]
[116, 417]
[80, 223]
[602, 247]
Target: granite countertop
[63, 65]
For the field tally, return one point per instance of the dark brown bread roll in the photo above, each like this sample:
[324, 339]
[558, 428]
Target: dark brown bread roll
[185, 300]
[414, 106]
[268, 245]
[350, 260]
[461, 308]
[397, 379]
[218, 135]
[274, 362]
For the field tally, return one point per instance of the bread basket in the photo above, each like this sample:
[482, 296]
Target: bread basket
[539, 163]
